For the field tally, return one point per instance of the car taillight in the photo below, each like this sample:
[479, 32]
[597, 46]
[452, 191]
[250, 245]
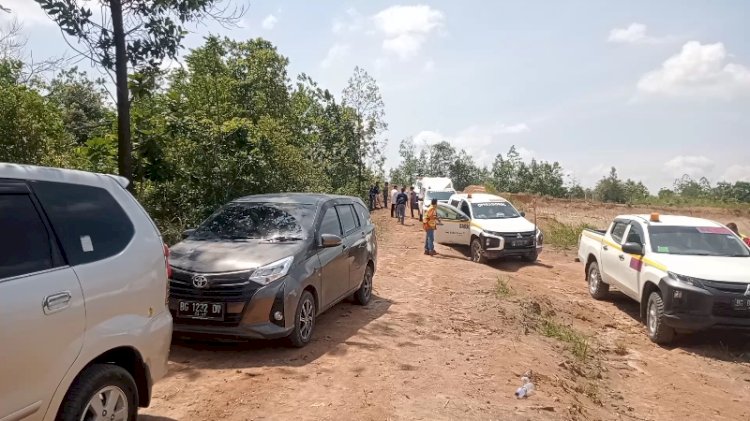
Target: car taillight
[169, 272]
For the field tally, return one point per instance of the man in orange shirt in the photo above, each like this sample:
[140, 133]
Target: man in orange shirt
[732, 226]
[430, 225]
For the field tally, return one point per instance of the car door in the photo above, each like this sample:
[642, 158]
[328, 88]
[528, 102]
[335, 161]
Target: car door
[454, 226]
[627, 268]
[334, 263]
[356, 245]
[42, 318]
[612, 252]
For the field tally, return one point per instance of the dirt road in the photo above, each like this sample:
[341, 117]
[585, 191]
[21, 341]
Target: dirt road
[445, 338]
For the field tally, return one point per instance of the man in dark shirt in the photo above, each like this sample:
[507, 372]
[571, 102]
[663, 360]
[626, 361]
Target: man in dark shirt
[386, 192]
[401, 200]
[414, 203]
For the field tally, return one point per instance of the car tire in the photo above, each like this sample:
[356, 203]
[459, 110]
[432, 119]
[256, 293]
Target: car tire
[304, 321]
[657, 330]
[477, 251]
[597, 288]
[104, 386]
[364, 293]
[531, 257]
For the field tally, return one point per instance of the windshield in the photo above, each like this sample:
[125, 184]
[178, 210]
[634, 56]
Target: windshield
[696, 241]
[246, 220]
[439, 195]
[493, 210]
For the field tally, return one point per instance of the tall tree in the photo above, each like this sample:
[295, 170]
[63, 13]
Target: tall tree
[362, 94]
[139, 33]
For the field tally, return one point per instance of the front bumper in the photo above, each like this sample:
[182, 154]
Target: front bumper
[496, 246]
[249, 319]
[692, 308]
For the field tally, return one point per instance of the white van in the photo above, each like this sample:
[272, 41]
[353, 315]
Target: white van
[433, 183]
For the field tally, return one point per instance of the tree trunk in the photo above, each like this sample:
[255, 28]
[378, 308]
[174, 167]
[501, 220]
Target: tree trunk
[124, 146]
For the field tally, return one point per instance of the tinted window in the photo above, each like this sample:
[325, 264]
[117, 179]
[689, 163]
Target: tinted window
[90, 224]
[363, 214]
[256, 220]
[330, 223]
[454, 203]
[444, 212]
[347, 218]
[25, 247]
[465, 208]
[439, 195]
[618, 230]
[494, 210]
[634, 235]
[696, 241]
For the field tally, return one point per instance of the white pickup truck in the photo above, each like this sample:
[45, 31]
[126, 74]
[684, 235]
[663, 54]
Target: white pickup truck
[490, 225]
[688, 274]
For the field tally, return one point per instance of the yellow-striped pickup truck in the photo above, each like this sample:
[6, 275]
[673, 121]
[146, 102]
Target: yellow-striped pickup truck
[688, 274]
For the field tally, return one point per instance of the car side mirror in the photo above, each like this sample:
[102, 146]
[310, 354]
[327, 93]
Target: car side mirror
[523, 214]
[187, 233]
[330, 240]
[633, 248]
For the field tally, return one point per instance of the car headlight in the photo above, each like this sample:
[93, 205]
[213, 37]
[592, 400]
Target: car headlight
[687, 280]
[539, 237]
[264, 275]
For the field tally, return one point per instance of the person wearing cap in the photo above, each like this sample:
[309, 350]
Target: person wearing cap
[732, 226]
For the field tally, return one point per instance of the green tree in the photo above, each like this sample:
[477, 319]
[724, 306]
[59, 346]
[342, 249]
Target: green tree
[82, 104]
[139, 33]
[610, 188]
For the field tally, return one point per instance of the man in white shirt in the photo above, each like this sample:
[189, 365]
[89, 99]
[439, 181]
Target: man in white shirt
[394, 193]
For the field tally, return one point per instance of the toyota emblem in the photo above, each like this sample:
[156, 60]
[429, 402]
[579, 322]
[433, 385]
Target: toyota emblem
[200, 281]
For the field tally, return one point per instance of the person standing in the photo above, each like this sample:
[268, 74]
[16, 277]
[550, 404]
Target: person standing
[386, 192]
[401, 201]
[372, 197]
[377, 196]
[430, 225]
[733, 227]
[414, 203]
[394, 193]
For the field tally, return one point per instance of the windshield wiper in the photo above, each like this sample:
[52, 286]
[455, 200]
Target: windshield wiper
[282, 238]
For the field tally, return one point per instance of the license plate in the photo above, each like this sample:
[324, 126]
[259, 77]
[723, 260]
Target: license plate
[200, 310]
[741, 304]
[520, 243]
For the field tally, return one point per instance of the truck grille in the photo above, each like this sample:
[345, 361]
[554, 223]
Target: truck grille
[222, 287]
[526, 237]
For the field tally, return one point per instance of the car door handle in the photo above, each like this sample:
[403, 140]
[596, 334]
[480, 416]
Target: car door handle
[56, 302]
[605, 248]
[622, 257]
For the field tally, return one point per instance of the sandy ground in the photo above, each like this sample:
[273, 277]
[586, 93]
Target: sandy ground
[438, 342]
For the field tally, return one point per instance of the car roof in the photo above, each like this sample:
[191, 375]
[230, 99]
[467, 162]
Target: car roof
[478, 197]
[60, 175]
[674, 220]
[295, 198]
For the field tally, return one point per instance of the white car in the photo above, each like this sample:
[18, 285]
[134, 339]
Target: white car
[490, 225]
[688, 274]
[84, 326]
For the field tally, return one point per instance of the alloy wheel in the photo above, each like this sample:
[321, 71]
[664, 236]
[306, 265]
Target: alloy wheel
[108, 404]
[306, 319]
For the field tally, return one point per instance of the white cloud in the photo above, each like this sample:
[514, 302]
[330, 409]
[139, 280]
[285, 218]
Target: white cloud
[694, 166]
[636, 32]
[698, 70]
[353, 22]
[269, 22]
[28, 12]
[406, 28]
[335, 53]
[737, 173]
[429, 66]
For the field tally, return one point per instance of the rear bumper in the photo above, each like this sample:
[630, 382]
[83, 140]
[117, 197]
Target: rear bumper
[691, 308]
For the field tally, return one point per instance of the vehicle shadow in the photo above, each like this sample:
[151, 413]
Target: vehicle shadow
[333, 333]
[154, 418]
[722, 345]
[506, 264]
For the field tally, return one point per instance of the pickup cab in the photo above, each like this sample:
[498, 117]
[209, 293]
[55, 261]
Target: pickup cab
[490, 225]
[688, 274]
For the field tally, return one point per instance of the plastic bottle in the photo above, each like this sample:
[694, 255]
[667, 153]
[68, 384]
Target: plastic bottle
[526, 389]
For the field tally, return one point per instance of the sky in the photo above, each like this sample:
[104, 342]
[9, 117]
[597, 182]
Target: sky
[655, 89]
